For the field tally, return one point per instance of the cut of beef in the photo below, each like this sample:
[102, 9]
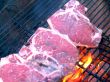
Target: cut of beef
[55, 45]
[73, 22]
[48, 57]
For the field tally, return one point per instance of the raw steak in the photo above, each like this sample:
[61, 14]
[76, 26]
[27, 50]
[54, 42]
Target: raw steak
[73, 22]
[56, 45]
[47, 57]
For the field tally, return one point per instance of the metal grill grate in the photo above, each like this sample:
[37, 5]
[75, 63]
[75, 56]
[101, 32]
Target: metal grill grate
[99, 14]
[19, 21]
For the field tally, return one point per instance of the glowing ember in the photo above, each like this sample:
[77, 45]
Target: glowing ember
[77, 75]
[98, 66]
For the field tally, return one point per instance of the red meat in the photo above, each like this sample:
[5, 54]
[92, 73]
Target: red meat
[48, 57]
[56, 45]
[73, 22]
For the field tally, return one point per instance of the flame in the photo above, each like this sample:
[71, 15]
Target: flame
[77, 76]
[87, 60]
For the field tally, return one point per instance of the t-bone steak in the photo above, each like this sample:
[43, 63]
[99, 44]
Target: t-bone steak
[47, 57]
[73, 22]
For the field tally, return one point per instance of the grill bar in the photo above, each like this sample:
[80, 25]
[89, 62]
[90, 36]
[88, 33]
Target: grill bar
[92, 6]
[95, 8]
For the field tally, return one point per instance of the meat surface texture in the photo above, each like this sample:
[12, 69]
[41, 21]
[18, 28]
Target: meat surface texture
[56, 45]
[48, 56]
[73, 22]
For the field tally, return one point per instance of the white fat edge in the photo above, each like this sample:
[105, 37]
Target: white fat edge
[57, 71]
[1, 80]
[50, 23]
[97, 35]
[20, 59]
[4, 61]
[77, 3]
[99, 30]
[85, 8]
[39, 72]
[82, 15]
[33, 39]
[64, 36]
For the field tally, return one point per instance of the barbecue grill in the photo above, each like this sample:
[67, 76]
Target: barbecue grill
[20, 18]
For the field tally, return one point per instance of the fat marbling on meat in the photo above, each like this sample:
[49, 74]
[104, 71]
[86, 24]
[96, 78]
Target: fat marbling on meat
[58, 47]
[73, 22]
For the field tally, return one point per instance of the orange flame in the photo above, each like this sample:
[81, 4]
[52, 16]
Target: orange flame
[76, 75]
[86, 60]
